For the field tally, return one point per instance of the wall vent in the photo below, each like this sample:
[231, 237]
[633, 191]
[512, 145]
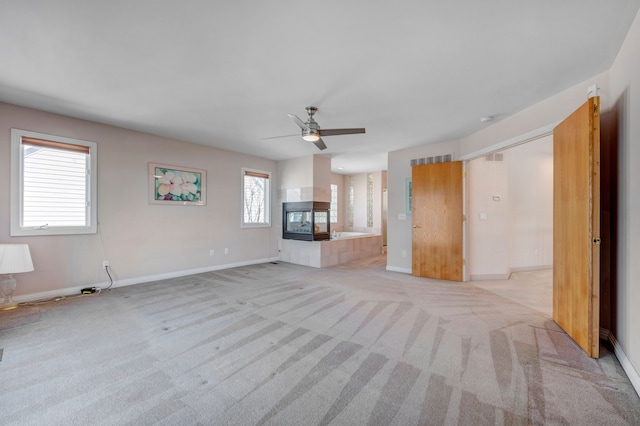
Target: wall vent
[446, 158]
[496, 156]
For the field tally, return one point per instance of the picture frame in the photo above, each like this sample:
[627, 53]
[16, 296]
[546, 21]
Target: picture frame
[177, 185]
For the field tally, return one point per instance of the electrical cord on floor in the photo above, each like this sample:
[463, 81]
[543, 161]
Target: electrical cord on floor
[84, 292]
[92, 290]
[106, 269]
[53, 299]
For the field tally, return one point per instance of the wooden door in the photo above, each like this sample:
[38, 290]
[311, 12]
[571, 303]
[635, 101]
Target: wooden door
[437, 221]
[576, 226]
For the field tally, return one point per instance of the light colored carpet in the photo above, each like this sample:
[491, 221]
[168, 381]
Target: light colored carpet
[281, 344]
[533, 289]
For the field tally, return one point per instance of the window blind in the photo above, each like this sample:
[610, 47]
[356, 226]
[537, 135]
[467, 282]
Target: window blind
[256, 174]
[56, 145]
[55, 184]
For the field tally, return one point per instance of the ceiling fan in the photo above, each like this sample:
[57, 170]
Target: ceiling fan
[311, 131]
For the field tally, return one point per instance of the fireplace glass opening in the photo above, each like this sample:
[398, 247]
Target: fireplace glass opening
[306, 220]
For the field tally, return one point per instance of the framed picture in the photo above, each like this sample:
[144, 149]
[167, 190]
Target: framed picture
[175, 185]
[409, 194]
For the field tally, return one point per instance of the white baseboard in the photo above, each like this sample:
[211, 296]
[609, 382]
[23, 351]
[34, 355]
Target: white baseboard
[52, 294]
[531, 268]
[397, 269]
[489, 277]
[69, 291]
[628, 368]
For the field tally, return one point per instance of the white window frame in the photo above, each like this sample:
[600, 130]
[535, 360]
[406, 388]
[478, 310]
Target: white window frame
[17, 174]
[267, 200]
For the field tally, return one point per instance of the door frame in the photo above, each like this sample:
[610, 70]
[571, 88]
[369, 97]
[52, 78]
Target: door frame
[509, 143]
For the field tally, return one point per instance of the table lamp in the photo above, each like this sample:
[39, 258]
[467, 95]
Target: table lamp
[14, 258]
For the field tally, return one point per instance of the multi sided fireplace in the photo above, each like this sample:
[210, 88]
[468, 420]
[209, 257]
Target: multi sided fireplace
[305, 220]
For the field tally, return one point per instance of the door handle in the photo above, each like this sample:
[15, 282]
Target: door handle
[416, 226]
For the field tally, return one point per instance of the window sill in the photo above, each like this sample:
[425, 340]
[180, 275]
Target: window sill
[255, 225]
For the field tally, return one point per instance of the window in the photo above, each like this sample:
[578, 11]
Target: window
[351, 201]
[53, 185]
[255, 198]
[333, 210]
[370, 200]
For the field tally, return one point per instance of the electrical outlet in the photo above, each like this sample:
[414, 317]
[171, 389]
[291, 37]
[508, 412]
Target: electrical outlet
[404, 253]
[226, 251]
[211, 252]
[105, 263]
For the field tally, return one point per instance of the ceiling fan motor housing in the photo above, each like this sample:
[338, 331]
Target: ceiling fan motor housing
[312, 130]
[311, 133]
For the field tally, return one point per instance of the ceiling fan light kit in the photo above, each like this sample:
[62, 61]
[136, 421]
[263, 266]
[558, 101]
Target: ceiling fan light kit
[310, 135]
[311, 131]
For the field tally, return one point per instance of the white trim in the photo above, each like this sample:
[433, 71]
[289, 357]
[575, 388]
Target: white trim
[510, 143]
[16, 228]
[628, 368]
[69, 291]
[267, 200]
[531, 268]
[488, 277]
[398, 269]
[466, 271]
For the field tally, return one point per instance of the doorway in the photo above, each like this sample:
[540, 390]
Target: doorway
[510, 229]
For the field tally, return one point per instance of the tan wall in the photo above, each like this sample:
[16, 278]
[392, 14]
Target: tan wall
[140, 240]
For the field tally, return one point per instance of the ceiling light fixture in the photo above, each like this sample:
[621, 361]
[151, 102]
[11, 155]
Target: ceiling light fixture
[310, 136]
[486, 119]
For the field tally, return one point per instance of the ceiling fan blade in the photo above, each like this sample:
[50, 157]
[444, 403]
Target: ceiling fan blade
[320, 144]
[334, 132]
[282, 136]
[296, 120]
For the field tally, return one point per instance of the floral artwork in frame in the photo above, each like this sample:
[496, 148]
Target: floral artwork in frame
[175, 185]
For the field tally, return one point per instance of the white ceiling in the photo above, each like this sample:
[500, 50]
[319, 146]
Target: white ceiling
[226, 73]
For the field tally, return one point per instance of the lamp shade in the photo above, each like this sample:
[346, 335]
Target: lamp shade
[15, 258]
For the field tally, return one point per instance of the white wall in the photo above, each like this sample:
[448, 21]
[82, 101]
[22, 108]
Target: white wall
[619, 88]
[488, 216]
[360, 202]
[321, 179]
[514, 233]
[541, 115]
[530, 177]
[305, 179]
[139, 239]
[625, 97]
[399, 221]
[296, 179]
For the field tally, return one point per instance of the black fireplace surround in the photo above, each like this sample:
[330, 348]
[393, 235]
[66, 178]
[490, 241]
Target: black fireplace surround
[306, 221]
